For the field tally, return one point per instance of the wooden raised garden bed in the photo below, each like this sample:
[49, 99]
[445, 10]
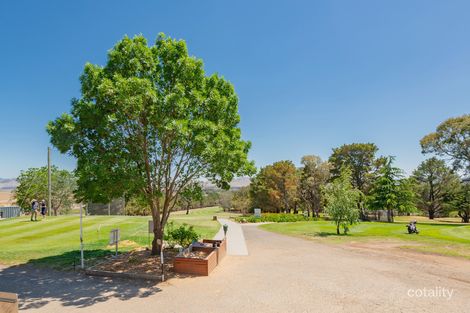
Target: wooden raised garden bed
[220, 245]
[196, 260]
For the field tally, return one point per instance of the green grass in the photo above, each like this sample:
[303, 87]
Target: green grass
[434, 237]
[55, 240]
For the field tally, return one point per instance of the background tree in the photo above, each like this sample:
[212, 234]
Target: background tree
[275, 187]
[461, 201]
[148, 123]
[314, 174]
[210, 198]
[241, 200]
[341, 202]
[451, 139]
[435, 186]
[391, 191]
[225, 199]
[361, 160]
[190, 195]
[32, 184]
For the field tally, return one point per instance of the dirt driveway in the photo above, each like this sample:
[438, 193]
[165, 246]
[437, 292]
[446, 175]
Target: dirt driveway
[281, 274]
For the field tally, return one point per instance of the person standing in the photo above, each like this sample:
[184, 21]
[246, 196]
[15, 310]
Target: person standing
[43, 209]
[34, 210]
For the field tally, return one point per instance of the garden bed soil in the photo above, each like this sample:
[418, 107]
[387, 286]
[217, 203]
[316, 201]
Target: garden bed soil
[137, 263]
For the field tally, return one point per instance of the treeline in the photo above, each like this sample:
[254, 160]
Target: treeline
[434, 188]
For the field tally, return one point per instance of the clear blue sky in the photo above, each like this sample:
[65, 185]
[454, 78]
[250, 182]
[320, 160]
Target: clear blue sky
[310, 75]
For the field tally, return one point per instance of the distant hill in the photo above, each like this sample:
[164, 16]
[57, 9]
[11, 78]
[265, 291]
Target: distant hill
[8, 183]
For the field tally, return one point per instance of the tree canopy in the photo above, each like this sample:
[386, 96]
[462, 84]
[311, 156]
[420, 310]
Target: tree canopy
[33, 184]
[148, 123]
[341, 201]
[359, 158]
[314, 174]
[451, 139]
[391, 191]
[275, 187]
[436, 185]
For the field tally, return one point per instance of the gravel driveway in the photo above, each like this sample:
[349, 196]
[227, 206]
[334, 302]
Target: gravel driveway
[281, 274]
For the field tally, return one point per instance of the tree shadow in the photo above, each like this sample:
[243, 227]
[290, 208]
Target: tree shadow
[325, 234]
[37, 285]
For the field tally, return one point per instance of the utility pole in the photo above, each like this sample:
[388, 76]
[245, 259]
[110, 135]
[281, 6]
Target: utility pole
[49, 181]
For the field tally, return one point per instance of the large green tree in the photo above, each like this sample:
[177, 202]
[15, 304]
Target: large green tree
[341, 201]
[275, 186]
[33, 184]
[148, 123]
[314, 174]
[451, 139]
[435, 187]
[461, 201]
[391, 191]
[361, 160]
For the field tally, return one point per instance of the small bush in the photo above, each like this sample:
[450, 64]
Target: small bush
[273, 217]
[183, 235]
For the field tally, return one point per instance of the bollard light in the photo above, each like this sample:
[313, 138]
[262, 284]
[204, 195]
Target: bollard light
[225, 229]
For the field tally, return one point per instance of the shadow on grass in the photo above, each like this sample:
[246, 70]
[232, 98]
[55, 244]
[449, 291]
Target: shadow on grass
[325, 234]
[37, 283]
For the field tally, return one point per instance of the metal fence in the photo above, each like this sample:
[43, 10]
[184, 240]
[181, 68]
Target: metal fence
[10, 211]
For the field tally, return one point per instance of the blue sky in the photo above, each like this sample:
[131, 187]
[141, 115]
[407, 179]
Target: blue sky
[310, 75]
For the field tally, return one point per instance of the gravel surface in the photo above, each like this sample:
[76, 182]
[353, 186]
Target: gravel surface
[281, 274]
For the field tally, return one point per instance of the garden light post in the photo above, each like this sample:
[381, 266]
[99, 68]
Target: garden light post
[225, 227]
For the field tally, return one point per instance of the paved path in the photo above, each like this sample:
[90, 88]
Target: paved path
[281, 274]
[236, 244]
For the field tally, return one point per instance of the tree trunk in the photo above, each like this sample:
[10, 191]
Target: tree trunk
[337, 229]
[55, 211]
[187, 210]
[431, 214]
[464, 216]
[390, 215]
[157, 242]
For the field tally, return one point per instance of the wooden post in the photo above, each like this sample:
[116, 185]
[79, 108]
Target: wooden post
[8, 302]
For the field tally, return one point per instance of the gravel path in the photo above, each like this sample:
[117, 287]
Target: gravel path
[281, 274]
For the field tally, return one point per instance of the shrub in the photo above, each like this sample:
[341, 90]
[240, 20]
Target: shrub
[183, 235]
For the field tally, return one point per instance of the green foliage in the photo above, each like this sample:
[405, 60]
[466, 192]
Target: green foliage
[137, 207]
[182, 235]
[359, 158]
[435, 187]
[148, 123]
[273, 217]
[241, 201]
[275, 187]
[390, 191]
[341, 202]
[313, 176]
[451, 139]
[461, 202]
[32, 184]
[191, 195]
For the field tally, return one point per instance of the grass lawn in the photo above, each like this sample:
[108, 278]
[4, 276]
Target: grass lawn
[55, 240]
[441, 237]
